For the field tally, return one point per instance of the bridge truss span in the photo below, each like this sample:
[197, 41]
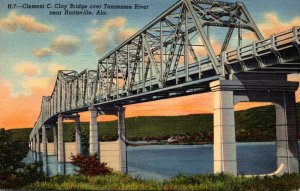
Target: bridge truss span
[176, 54]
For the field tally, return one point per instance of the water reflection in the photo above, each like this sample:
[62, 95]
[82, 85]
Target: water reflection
[50, 165]
[45, 165]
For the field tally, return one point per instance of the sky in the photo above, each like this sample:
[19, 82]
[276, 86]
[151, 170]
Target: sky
[35, 45]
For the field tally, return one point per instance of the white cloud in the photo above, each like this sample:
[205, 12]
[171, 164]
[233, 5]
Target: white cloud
[24, 22]
[273, 24]
[35, 77]
[64, 44]
[54, 67]
[27, 68]
[112, 31]
[42, 52]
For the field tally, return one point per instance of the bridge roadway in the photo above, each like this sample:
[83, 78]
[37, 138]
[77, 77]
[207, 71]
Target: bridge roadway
[149, 66]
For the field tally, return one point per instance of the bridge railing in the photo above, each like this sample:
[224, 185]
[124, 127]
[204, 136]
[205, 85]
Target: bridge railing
[263, 53]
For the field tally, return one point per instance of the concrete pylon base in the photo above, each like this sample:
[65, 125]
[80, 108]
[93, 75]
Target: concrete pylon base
[122, 141]
[44, 140]
[259, 88]
[93, 135]
[60, 141]
[38, 143]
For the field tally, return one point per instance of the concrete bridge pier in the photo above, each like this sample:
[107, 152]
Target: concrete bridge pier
[78, 135]
[224, 133]
[122, 141]
[33, 144]
[63, 149]
[93, 134]
[38, 143]
[44, 140]
[113, 153]
[60, 141]
[254, 88]
[55, 140]
[286, 134]
[30, 145]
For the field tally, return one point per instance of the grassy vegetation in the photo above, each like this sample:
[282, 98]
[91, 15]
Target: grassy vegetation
[21, 134]
[256, 124]
[180, 182]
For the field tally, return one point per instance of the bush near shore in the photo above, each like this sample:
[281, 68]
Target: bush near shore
[180, 182]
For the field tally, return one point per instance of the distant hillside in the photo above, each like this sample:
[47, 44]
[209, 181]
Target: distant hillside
[255, 124]
[21, 134]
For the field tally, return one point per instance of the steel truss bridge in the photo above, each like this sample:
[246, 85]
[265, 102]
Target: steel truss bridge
[174, 55]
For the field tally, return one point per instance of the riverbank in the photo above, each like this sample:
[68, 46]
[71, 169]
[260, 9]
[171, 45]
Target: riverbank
[180, 182]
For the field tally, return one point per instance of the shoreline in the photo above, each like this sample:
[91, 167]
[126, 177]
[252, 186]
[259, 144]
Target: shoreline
[145, 143]
[187, 143]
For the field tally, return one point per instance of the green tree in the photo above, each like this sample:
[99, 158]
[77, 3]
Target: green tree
[13, 172]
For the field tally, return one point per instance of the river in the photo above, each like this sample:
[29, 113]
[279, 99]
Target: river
[165, 161]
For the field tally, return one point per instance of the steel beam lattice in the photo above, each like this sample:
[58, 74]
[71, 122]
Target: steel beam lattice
[174, 55]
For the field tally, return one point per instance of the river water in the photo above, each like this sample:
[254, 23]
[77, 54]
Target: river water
[165, 161]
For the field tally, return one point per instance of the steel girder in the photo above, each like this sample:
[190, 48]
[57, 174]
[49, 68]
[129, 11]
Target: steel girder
[175, 48]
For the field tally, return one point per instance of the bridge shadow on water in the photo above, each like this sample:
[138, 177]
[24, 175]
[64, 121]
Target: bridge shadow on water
[165, 161]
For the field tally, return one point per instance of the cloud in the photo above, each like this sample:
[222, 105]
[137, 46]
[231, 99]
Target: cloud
[100, 40]
[112, 31]
[27, 68]
[24, 22]
[33, 76]
[29, 84]
[273, 24]
[42, 52]
[115, 23]
[121, 36]
[66, 44]
[54, 67]
[26, 86]
[28, 112]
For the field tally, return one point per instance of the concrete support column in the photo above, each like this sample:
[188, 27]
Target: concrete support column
[78, 136]
[256, 88]
[34, 144]
[44, 140]
[224, 133]
[286, 134]
[61, 146]
[38, 142]
[55, 139]
[122, 140]
[94, 142]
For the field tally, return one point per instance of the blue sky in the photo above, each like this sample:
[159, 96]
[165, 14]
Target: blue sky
[25, 74]
[17, 46]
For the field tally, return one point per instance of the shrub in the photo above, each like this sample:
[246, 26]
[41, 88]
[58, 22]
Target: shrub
[89, 165]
